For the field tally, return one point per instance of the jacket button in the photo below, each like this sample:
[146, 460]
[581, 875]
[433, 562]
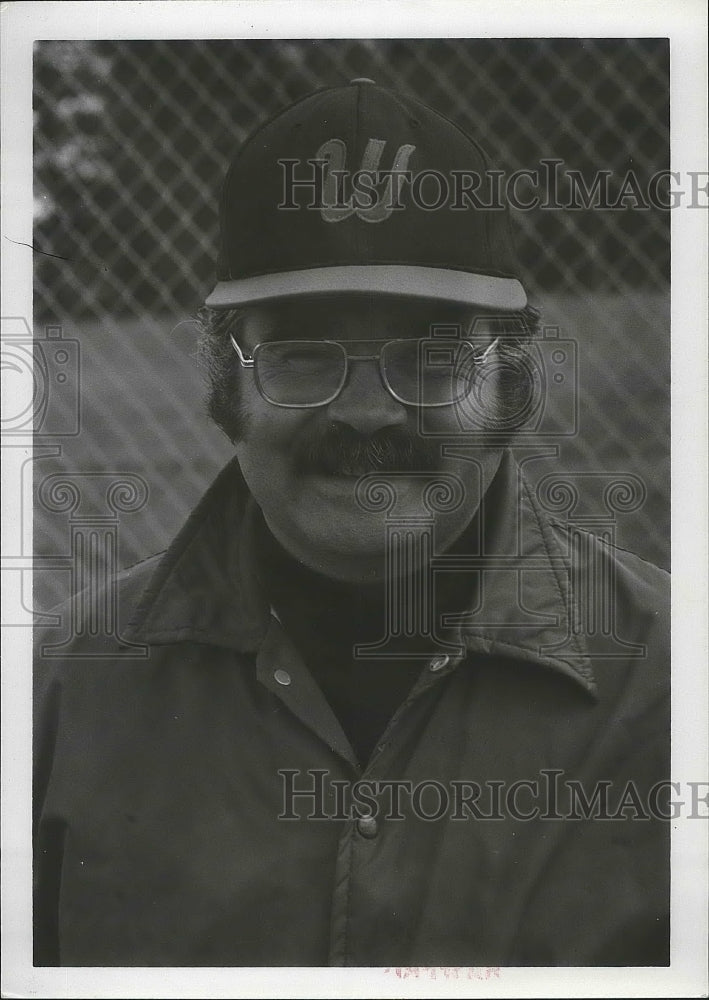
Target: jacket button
[438, 663]
[367, 826]
[282, 677]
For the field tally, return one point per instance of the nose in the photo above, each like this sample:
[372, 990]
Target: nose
[364, 402]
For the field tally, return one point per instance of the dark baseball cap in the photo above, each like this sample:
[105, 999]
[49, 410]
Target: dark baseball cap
[359, 189]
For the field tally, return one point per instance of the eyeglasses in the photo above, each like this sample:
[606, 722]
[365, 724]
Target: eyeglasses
[428, 372]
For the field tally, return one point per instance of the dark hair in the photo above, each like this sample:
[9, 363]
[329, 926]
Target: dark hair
[222, 369]
[514, 369]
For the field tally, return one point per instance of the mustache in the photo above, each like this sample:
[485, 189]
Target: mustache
[339, 449]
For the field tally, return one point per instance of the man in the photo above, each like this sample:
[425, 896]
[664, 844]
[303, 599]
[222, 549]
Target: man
[360, 712]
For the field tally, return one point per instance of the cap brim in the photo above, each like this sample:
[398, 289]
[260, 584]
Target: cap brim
[389, 279]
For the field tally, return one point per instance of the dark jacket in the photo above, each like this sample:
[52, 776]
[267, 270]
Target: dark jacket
[165, 834]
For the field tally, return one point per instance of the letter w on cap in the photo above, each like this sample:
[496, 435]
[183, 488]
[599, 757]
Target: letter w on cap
[334, 152]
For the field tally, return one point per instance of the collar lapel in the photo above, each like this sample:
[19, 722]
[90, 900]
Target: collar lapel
[204, 588]
[524, 599]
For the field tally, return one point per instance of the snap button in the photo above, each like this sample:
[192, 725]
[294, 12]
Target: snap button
[367, 826]
[282, 677]
[438, 663]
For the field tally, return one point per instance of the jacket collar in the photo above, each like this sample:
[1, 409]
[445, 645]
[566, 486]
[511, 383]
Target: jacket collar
[206, 590]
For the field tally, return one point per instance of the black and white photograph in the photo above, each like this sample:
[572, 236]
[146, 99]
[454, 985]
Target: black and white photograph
[354, 562]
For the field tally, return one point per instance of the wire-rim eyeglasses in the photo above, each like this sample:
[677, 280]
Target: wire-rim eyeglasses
[300, 374]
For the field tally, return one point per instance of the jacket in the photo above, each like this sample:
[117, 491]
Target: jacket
[198, 804]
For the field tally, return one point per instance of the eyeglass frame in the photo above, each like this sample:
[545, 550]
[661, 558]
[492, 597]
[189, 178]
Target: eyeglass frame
[249, 361]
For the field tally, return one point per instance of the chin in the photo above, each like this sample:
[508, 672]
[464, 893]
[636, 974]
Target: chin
[361, 534]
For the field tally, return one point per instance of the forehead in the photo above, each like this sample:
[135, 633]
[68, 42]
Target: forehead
[353, 316]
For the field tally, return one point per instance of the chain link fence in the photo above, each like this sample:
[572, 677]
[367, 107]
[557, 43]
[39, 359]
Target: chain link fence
[132, 140]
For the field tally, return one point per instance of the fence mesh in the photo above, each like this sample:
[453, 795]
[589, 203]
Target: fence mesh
[132, 140]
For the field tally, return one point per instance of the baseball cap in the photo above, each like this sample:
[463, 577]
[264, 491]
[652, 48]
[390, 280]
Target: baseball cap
[361, 189]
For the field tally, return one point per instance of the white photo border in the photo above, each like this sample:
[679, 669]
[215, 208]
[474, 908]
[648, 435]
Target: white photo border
[684, 23]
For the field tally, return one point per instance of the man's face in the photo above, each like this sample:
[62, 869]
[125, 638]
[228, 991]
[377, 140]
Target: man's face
[303, 464]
